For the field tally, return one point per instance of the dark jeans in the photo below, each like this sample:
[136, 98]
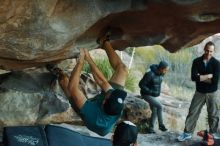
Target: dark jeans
[156, 109]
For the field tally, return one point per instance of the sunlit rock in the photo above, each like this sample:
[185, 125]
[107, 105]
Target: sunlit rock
[33, 33]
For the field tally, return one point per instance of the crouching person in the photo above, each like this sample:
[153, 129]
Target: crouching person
[150, 86]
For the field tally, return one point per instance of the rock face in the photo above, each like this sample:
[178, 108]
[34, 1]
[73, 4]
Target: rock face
[33, 33]
[29, 98]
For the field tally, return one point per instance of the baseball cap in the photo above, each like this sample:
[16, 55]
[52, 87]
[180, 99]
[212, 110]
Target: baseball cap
[115, 103]
[163, 64]
[125, 134]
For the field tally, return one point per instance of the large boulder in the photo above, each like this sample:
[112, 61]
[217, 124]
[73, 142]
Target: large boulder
[32, 97]
[33, 33]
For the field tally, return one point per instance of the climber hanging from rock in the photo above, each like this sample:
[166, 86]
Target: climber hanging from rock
[102, 112]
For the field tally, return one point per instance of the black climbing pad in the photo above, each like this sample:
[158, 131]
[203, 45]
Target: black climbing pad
[24, 136]
[59, 136]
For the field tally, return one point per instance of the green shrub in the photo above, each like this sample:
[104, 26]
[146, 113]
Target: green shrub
[181, 92]
[131, 82]
[86, 68]
[105, 67]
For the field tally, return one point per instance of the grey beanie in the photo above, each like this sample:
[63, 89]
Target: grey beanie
[163, 64]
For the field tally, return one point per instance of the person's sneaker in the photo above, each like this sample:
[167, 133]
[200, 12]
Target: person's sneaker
[162, 128]
[150, 131]
[216, 135]
[184, 136]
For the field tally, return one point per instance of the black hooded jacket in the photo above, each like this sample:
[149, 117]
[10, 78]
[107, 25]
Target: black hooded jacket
[198, 68]
[150, 84]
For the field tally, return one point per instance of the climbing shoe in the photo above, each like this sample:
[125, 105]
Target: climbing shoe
[53, 69]
[103, 38]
